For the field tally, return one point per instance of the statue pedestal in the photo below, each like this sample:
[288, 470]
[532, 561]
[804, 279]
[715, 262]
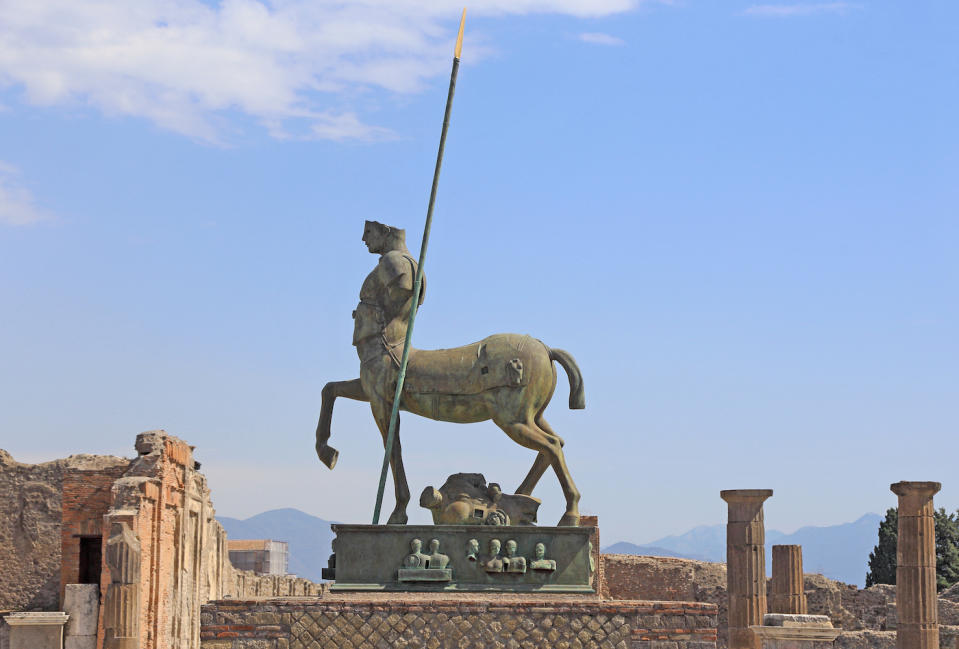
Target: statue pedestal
[507, 558]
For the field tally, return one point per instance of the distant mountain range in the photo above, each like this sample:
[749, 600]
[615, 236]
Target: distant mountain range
[837, 551]
[310, 538]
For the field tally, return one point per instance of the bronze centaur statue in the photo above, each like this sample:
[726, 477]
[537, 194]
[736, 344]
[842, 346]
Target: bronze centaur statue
[508, 378]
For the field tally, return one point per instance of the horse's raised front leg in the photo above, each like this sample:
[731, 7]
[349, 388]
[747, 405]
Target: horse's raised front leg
[349, 389]
[381, 412]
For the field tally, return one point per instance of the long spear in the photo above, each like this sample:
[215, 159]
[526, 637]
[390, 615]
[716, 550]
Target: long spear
[418, 280]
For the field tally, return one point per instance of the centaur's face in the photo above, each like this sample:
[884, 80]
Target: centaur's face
[374, 237]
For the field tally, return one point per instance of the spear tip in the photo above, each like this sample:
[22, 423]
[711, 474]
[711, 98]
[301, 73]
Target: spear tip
[459, 37]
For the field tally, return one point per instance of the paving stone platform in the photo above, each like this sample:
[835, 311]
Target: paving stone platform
[456, 620]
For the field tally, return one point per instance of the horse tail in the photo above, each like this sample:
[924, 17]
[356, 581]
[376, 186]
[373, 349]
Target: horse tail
[577, 398]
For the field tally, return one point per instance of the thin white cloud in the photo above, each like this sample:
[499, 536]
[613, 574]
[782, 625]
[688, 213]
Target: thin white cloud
[300, 68]
[17, 206]
[788, 10]
[598, 38]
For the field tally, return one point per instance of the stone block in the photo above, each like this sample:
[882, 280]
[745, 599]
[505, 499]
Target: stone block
[792, 631]
[36, 630]
[80, 642]
[82, 603]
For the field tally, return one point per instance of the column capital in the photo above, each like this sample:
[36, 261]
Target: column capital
[746, 495]
[921, 489]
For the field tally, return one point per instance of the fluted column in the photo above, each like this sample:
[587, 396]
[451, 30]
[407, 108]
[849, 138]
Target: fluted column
[745, 564]
[916, 603]
[121, 611]
[788, 592]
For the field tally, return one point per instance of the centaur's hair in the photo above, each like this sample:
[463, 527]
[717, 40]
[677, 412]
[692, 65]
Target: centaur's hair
[393, 235]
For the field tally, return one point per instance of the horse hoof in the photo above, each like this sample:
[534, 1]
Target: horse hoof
[569, 520]
[397, 518]
[328, 455]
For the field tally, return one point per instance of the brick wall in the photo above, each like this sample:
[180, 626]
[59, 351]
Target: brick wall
[445, 622]
[184, 559]
[182, 556]
[32, 535]
[599, 569]
[46, 509]
[85, 499]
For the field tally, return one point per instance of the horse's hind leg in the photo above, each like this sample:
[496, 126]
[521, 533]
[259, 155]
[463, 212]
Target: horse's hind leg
[540, 464]
[349, 389]
[381, 413]
[532, 436]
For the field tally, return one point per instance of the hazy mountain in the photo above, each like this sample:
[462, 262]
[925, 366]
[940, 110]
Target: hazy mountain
[309, 537]
[649, 551]
[837, 551]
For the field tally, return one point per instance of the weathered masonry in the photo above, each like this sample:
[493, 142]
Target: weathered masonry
[467, 621]
[140, 534]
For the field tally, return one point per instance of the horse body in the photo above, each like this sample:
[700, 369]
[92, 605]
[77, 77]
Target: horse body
[506, 378]
[505, 375]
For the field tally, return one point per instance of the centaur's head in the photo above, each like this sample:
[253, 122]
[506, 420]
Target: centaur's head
[380, 238]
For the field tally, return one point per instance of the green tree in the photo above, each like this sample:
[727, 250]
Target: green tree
[947, 549]
[882, 560]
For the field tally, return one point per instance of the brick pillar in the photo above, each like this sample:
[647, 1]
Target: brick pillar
[599, 572]
[745, 564]
[788, 593]
[918, 624]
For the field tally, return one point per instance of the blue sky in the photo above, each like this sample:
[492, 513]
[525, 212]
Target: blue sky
[740, 217]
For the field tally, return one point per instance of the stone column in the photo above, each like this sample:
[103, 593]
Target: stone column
[745, 564]
[121, 610]
[788, 592]
[918, 623]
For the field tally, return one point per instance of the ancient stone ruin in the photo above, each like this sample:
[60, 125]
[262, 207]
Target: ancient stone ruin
[114, 552]
[128, 549]
[746, 561]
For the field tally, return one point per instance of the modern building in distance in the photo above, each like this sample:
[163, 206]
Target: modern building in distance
[262, 556]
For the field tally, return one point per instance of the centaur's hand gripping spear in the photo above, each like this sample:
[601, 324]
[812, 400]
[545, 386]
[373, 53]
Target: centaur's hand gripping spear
[418, 280]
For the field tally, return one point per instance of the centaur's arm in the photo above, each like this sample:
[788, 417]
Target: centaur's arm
[397, 272]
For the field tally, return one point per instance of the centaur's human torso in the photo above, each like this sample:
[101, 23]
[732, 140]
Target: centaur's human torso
[385, 303]
[442, 383]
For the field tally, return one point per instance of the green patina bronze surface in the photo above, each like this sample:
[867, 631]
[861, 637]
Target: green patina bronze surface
[508, 378]
[466, 499]
[463, 557]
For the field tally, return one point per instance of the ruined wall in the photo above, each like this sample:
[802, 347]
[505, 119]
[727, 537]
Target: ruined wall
[182, 550]
[169, 552]
[246, 584]
[867, 616]
[630, 576]
[448, 620]
[86, 495]
[33, 532]
[29, 534]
